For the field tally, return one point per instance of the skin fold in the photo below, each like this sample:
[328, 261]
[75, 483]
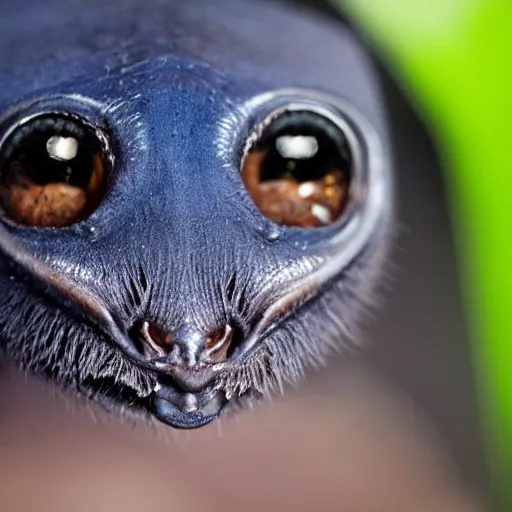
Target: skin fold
[177, 89]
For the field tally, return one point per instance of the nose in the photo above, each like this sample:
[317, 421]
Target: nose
[188, 345]
[187, 355]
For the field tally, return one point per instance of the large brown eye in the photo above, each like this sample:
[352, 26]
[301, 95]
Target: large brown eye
[298, 170]
[52, 171]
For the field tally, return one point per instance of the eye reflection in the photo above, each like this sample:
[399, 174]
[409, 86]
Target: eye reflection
[298, 170]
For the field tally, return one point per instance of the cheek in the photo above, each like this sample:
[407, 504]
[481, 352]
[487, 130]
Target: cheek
[50, 344]
[321, 328]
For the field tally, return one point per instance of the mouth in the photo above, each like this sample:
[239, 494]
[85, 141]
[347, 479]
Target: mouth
[168, 403]
[186, 410]
[191, 397]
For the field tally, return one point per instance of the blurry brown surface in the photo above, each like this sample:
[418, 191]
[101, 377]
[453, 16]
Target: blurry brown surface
[346, 440]
[357, 447]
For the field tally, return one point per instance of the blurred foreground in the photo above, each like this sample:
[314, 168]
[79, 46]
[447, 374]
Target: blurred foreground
[357, 447]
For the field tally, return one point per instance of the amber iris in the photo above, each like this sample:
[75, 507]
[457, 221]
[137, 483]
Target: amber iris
[298, 171]
[53, 171]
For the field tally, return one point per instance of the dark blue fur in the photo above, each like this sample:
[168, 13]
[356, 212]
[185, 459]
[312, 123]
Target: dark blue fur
[177, 238]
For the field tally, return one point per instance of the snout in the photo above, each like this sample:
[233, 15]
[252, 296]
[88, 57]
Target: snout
[187, 362]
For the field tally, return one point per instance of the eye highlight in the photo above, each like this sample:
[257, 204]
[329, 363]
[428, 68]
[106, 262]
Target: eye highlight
[53, 171]
[297, 169]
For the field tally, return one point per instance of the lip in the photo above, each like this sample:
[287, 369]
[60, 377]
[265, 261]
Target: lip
[186, 410]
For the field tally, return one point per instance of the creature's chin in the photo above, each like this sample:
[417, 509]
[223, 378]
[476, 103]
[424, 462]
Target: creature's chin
[186, 410]
[177, 410]
[169, 397]
[168, 413]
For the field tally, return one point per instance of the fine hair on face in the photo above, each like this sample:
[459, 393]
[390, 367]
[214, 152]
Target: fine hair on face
[186, 223]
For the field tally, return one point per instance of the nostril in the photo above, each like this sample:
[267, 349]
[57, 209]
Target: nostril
[156, 336]
[222, 343]
[186, 346]
[217, 344]
[150, 339]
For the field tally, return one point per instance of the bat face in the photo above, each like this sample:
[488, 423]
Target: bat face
[176, 237]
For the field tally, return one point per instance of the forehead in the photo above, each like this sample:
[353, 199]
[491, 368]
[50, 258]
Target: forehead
[197, 59]
[57, 44]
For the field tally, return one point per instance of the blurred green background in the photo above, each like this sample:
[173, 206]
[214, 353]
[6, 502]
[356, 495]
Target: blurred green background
[454, 61]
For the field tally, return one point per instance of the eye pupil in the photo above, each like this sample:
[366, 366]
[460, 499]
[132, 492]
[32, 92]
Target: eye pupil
[298, 171]
[52, 171]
